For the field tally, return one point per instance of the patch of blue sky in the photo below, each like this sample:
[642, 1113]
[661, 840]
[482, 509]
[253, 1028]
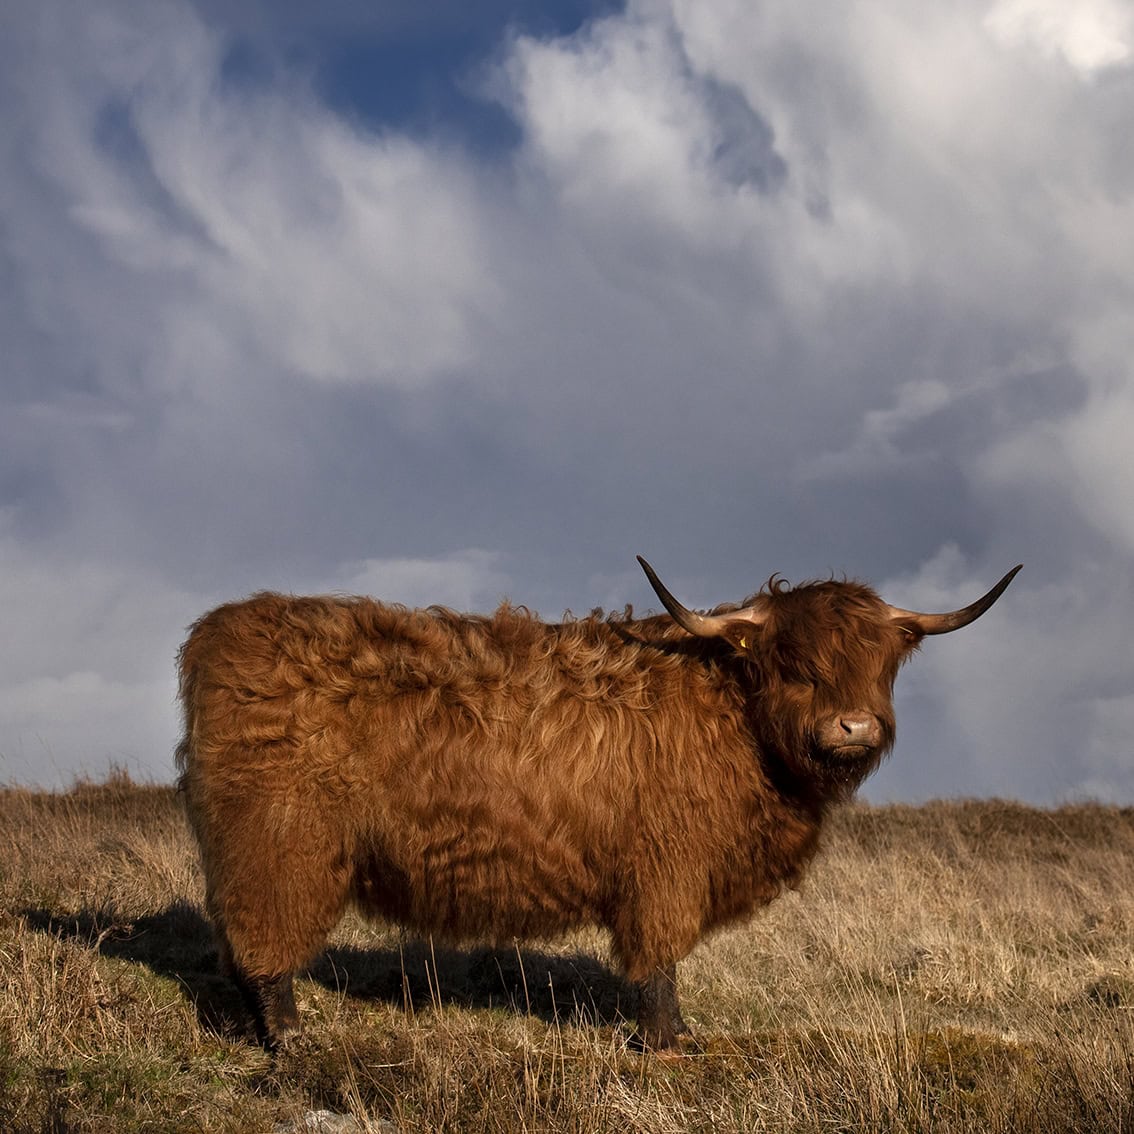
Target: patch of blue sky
[421, 75]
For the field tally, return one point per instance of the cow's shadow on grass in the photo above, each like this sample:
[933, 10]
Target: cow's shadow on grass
[417, 976]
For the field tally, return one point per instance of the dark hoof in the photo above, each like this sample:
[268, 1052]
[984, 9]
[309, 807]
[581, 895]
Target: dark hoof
[669, 1049]
[271, 1003]
[281, 1038]
[659, 1015]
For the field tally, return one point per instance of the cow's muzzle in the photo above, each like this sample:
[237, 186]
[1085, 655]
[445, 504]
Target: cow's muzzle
[850, 736]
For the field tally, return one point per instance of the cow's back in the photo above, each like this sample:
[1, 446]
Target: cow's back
[479, 775]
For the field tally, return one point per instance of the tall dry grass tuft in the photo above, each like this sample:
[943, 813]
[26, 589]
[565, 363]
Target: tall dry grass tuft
[954, 967]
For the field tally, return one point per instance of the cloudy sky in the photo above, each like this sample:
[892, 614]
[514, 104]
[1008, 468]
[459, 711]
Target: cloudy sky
[448, 302]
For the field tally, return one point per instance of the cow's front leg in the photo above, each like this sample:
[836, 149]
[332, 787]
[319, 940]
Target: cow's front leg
[271, 1003]
[659, 1015]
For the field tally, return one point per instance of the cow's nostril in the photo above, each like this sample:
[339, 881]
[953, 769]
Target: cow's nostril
[859, 728]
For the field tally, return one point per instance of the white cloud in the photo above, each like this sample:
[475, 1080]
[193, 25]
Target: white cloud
[613, 121]
[463, 580]
[84, 723]
[1096, 446]
[1108, 751]
[1012, 705]
[876, 446]
[1082, 460]
[1090, 35]
[298, 242]
[87, 677]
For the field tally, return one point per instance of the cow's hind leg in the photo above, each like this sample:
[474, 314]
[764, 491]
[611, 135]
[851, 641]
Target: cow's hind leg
[659, 1015]
[273, 911]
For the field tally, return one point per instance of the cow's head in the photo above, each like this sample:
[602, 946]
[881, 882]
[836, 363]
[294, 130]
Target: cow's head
[821, 659]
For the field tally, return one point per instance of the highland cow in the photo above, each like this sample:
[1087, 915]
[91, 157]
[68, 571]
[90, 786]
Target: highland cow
[498, 777]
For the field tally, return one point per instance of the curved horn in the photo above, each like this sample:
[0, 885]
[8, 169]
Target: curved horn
[700, 625]
[954, 620]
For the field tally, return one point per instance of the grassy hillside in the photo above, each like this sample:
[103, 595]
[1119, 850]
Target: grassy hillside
[952, 967]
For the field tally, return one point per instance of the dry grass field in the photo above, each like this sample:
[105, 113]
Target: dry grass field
[953, 967]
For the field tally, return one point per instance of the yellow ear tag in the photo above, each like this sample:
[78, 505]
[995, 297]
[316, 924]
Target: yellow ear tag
[744, 643]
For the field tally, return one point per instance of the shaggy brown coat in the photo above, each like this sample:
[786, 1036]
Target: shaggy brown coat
[498, 777]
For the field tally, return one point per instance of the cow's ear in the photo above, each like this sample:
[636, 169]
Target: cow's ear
[911, 633]
[741, 634]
